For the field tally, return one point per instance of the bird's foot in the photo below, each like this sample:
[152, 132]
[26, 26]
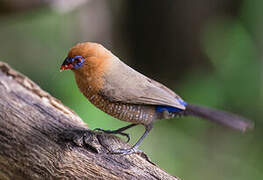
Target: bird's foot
[126, 151]
[114, 132]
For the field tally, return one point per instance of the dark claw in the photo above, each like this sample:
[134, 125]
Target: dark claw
[126, 151]
[125, 134]
[114, 132]
[105, 131]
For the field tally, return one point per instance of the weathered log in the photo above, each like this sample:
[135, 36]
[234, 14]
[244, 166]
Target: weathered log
[40, 138]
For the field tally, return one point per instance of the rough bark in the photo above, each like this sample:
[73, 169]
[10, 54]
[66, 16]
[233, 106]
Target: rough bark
[40, 138]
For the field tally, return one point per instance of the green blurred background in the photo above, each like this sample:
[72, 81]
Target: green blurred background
[208, 51]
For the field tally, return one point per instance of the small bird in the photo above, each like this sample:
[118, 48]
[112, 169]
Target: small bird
[120, 91]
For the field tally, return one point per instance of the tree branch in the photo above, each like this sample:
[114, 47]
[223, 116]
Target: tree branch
[40, 138]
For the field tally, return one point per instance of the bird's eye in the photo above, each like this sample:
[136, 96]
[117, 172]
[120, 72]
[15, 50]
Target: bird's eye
[77, 61]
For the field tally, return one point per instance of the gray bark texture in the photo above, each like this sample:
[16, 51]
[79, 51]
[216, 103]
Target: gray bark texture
[40, 138]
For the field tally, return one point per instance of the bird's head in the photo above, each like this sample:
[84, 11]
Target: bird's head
[85, 54]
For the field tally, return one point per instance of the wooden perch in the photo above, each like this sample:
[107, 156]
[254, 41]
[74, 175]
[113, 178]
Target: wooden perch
[40, 138]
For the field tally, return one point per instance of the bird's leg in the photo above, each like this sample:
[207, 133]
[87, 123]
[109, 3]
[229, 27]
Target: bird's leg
[135, 149]
[118, 131]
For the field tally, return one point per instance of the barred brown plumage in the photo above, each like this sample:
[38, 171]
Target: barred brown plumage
[126, 112]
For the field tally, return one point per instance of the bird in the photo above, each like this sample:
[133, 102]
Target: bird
[122, 92]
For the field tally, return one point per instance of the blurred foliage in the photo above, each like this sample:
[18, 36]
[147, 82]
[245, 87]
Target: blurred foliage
[36, 42]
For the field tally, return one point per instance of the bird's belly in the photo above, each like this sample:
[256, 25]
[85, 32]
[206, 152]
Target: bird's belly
[138, 114]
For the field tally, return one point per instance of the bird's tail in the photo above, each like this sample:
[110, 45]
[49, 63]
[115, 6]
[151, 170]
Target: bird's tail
[221, 117]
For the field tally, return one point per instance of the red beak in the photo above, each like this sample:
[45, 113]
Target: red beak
[64, 67]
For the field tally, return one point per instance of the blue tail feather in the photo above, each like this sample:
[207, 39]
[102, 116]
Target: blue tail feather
[167, 108]
[170, 108]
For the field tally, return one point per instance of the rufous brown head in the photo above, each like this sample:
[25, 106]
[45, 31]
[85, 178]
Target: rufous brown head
[84, 53]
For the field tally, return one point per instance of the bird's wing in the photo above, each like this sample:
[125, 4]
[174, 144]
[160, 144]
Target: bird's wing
[123, 84]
